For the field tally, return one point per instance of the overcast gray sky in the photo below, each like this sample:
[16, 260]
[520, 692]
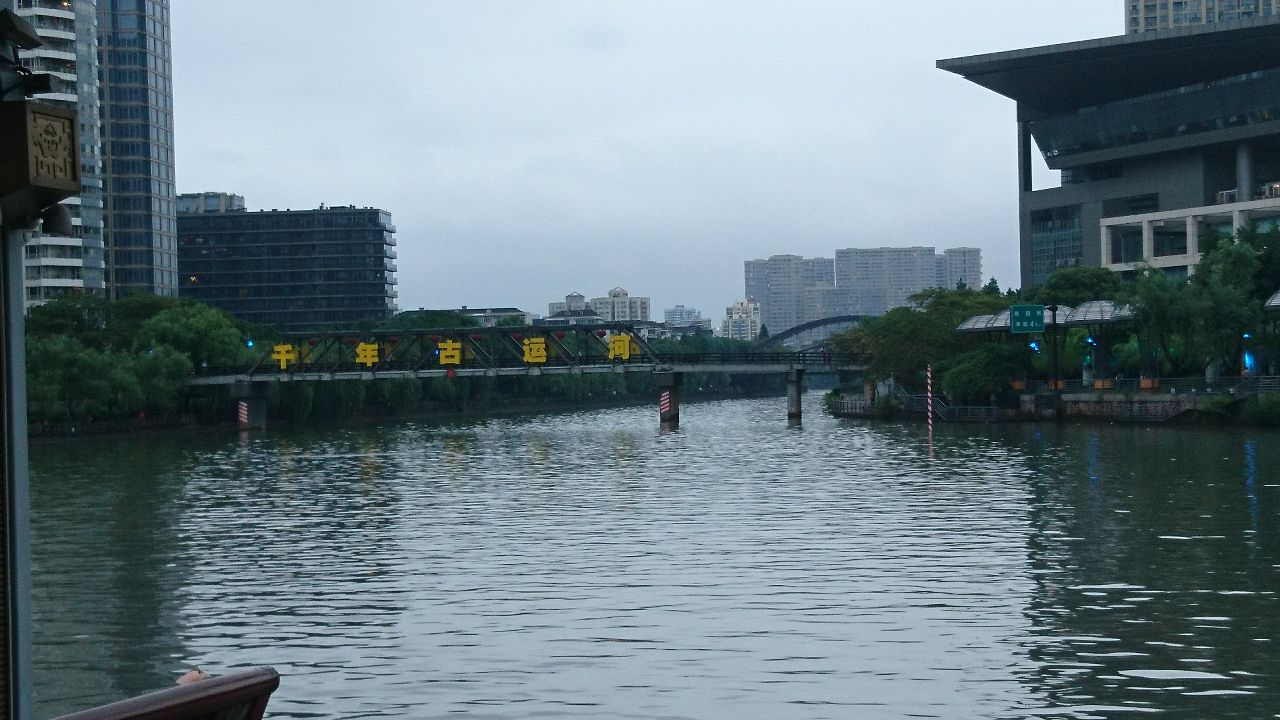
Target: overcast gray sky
[529, 149]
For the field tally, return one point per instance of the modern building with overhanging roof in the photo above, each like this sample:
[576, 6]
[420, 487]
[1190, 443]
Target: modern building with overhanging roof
[1162, 139]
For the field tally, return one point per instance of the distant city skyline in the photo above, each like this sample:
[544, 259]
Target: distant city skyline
[587, 145]
[792, 290]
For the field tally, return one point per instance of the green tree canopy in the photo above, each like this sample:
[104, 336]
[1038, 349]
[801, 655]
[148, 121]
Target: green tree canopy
[1226, 300]
[1076, 285]
[82, 316]
[429, 320]
[904, 340]
[204, 334]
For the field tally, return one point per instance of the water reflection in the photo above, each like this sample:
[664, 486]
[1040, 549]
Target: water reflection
[1151, 593]
[111, 567]
[589, 565]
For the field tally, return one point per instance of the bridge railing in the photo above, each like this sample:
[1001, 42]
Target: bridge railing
[497, 361]
[763, 358]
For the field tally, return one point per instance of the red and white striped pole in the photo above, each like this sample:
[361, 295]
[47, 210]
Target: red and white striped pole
[928, 393]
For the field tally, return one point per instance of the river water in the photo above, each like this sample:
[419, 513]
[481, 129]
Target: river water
[589, 565]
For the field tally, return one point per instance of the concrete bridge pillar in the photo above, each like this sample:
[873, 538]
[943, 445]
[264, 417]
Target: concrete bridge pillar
[669, 398]
[795, 389]
[251, 405]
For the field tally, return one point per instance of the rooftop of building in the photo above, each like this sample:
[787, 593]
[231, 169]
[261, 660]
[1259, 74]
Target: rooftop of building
[1060, 78]
[323, 207]
[575, 313]
[486, 311]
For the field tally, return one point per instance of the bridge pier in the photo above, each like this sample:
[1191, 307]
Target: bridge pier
[795, 390]
[669, 398]
[251, 405]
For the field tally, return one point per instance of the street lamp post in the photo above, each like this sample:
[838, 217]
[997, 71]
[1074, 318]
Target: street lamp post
[1053, 344]
[39, 167]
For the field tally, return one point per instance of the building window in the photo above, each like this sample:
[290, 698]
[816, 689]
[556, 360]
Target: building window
[1057, 242]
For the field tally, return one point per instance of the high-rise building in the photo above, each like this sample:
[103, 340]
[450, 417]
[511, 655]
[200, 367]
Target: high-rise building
[139, 223]
[1164, 140]
[1149, 15]
[619, 306]
[788, 288]
[681, 315]
[872, 281]
[883, 278]
[291, 269]
[960, 266]
[573, 302]
[681, 319]
[741, 321]
[58, 264]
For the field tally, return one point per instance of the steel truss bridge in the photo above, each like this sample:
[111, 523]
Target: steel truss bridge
[499, 352]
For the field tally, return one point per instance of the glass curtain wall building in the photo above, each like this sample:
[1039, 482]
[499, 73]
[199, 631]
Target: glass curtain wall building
[294, 270]
[140, 209]
[55, 264]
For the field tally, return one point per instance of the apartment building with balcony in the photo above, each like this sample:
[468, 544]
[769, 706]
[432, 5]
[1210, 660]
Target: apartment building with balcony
[59, 264]
[1152, 15]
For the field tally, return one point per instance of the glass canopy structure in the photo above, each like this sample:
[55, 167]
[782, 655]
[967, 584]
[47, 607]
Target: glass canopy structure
[1094, 312]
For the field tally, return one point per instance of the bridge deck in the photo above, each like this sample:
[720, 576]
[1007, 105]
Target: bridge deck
[228, 376]
[497, 352]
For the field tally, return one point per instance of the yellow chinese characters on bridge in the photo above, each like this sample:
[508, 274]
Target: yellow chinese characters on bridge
[535, 350]
[450, 352]
[620, 347]
[367, 354]
[285, 355]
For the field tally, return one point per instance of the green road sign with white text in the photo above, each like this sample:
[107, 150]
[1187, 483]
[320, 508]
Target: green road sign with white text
[1026, 319]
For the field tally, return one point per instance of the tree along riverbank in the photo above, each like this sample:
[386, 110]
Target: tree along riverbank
[119, 366]
[1213, 324]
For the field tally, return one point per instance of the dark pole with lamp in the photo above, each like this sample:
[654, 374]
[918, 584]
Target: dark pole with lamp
[1053, 344]
[39, 167]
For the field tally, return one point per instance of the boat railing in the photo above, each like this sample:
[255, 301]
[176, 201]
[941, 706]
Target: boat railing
[242, 696]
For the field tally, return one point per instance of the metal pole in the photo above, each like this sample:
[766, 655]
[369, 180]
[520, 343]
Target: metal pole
[928, 392]
[1053, 336]
[16, 563]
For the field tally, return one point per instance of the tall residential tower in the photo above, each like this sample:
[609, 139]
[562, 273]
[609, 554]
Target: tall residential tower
[59, 264]
[140, 224]
[1148, 15]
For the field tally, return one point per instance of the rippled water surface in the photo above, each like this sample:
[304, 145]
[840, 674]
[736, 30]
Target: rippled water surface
[588, 565]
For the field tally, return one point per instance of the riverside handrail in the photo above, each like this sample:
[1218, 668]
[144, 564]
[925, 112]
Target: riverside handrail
[242, 696]
[943, 411]
[1194, 385]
